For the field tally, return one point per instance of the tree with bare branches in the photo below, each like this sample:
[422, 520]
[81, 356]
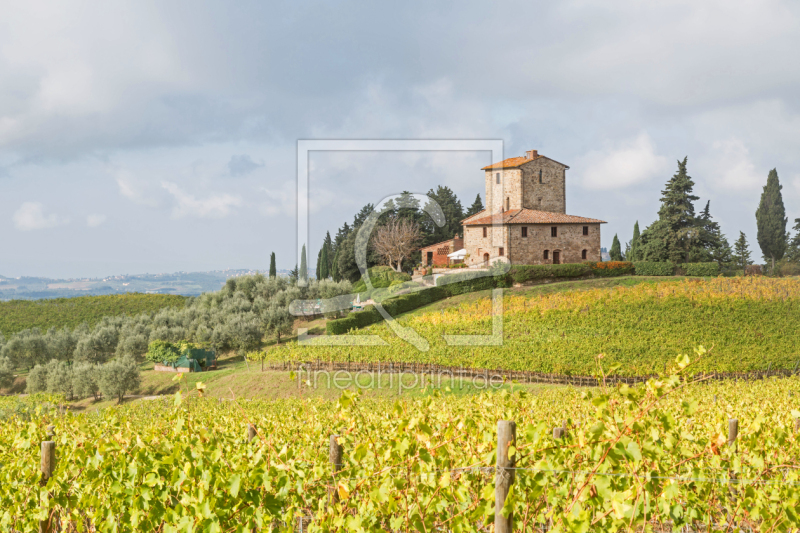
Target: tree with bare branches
[396, 240]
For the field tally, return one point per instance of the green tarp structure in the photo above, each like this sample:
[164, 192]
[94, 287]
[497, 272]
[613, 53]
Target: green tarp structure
[195, 359]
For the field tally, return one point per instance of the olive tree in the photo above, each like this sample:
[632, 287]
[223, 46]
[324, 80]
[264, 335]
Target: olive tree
[118, 377]
[6, 372]
[59, 378]
[85, 380]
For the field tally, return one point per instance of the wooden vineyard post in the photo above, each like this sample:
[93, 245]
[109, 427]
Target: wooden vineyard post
[251, 432]
[733, 434]
[335, 455]
[558, 433]
[47, 465]
[504, 474]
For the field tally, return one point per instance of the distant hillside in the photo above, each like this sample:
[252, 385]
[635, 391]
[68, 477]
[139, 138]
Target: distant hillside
[44, 314]
[182, 283]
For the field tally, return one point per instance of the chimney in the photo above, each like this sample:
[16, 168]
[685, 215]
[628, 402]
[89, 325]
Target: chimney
[530, 154]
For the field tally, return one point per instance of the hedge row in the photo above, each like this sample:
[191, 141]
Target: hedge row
[648, 268]
[471, 281]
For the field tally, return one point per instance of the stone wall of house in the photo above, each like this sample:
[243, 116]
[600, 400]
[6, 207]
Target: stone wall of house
[550, 194]
[570, 242]
[500, 197]
[477, 245]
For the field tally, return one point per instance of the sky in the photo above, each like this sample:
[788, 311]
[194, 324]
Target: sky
[145, 137]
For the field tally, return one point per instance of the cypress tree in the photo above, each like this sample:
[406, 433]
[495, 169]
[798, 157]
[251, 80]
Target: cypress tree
[476, 207]
[335, 268]
[328, 243]
[771, 220]
[633, 254]
[319, 263]
[616, 252]
[303, 273]
[323, 269]
[273, 271]
[742, 253]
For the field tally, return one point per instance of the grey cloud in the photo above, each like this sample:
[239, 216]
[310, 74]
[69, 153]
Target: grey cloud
[241, 165]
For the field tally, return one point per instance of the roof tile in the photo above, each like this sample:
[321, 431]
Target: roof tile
[531, 216]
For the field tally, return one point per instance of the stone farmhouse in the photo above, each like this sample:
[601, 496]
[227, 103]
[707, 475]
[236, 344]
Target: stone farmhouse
[525, 220]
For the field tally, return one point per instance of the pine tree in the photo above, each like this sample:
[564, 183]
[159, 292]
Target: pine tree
[742, 253]
[675, 235]
[294, 274]
[633, 252]
[771, 220]
[453, 215]
[793, 250]
[476, 207]
[362, 215]
[712, 240]
[616, 252]
[303, 273]
[273, 270]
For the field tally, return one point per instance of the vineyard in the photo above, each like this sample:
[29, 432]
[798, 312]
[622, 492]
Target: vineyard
[18, 315]
[749, 324]
[614, 459]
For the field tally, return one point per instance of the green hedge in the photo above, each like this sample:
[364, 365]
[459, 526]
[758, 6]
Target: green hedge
[700, 269]
[381, 277]
[652, 268]
[523, 273]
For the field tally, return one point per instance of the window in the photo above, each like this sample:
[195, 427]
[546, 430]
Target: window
[554, 231]
[508, 203]
[501, 251]
[583, 254]
[524, 231]
[586, 230]
[540, 176]
[484, 231]
[497, 178]
[547, 254]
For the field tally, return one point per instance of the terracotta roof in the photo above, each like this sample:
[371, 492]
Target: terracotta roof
[463, 220]
[530, 216]
[438, 243]
[513, 162]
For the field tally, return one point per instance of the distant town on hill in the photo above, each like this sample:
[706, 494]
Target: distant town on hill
[184, 283]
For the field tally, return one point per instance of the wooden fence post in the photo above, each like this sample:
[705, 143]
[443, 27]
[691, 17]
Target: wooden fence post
[504, 474]
[797, 425]
[335, 455]
[47, 466]
[733, 432]
[251, 432]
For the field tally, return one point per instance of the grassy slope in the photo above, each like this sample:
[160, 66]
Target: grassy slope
[17, 315]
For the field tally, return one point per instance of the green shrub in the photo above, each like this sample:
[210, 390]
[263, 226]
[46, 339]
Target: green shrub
[653, 268]
[700, 269]
[381, 277]
[163, 352]
[523, 273]
[606, 269]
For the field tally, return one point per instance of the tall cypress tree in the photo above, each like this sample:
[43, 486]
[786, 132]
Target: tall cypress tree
[771, 220]
[476, 207]
[323, 269]
[303, 272]
[273, 271]
[741, 253]
[319, 263]
[616, 251]
[335, 267]
[633, 254]
[328, 243]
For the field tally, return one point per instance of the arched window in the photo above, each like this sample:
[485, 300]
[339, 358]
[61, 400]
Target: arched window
[547, 254]
[583, 254]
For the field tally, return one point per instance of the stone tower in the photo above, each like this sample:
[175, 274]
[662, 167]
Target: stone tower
[528, 182]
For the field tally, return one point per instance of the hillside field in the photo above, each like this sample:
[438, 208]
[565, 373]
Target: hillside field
[17, 315]
[746, 324]
[649, 458]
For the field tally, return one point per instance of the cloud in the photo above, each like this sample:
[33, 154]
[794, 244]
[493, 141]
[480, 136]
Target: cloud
[242, 165]
[627, 163]
[31, 216]
[215, 206]
[280, 201]
[95, 220]
[137, 191]
[732, 168]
